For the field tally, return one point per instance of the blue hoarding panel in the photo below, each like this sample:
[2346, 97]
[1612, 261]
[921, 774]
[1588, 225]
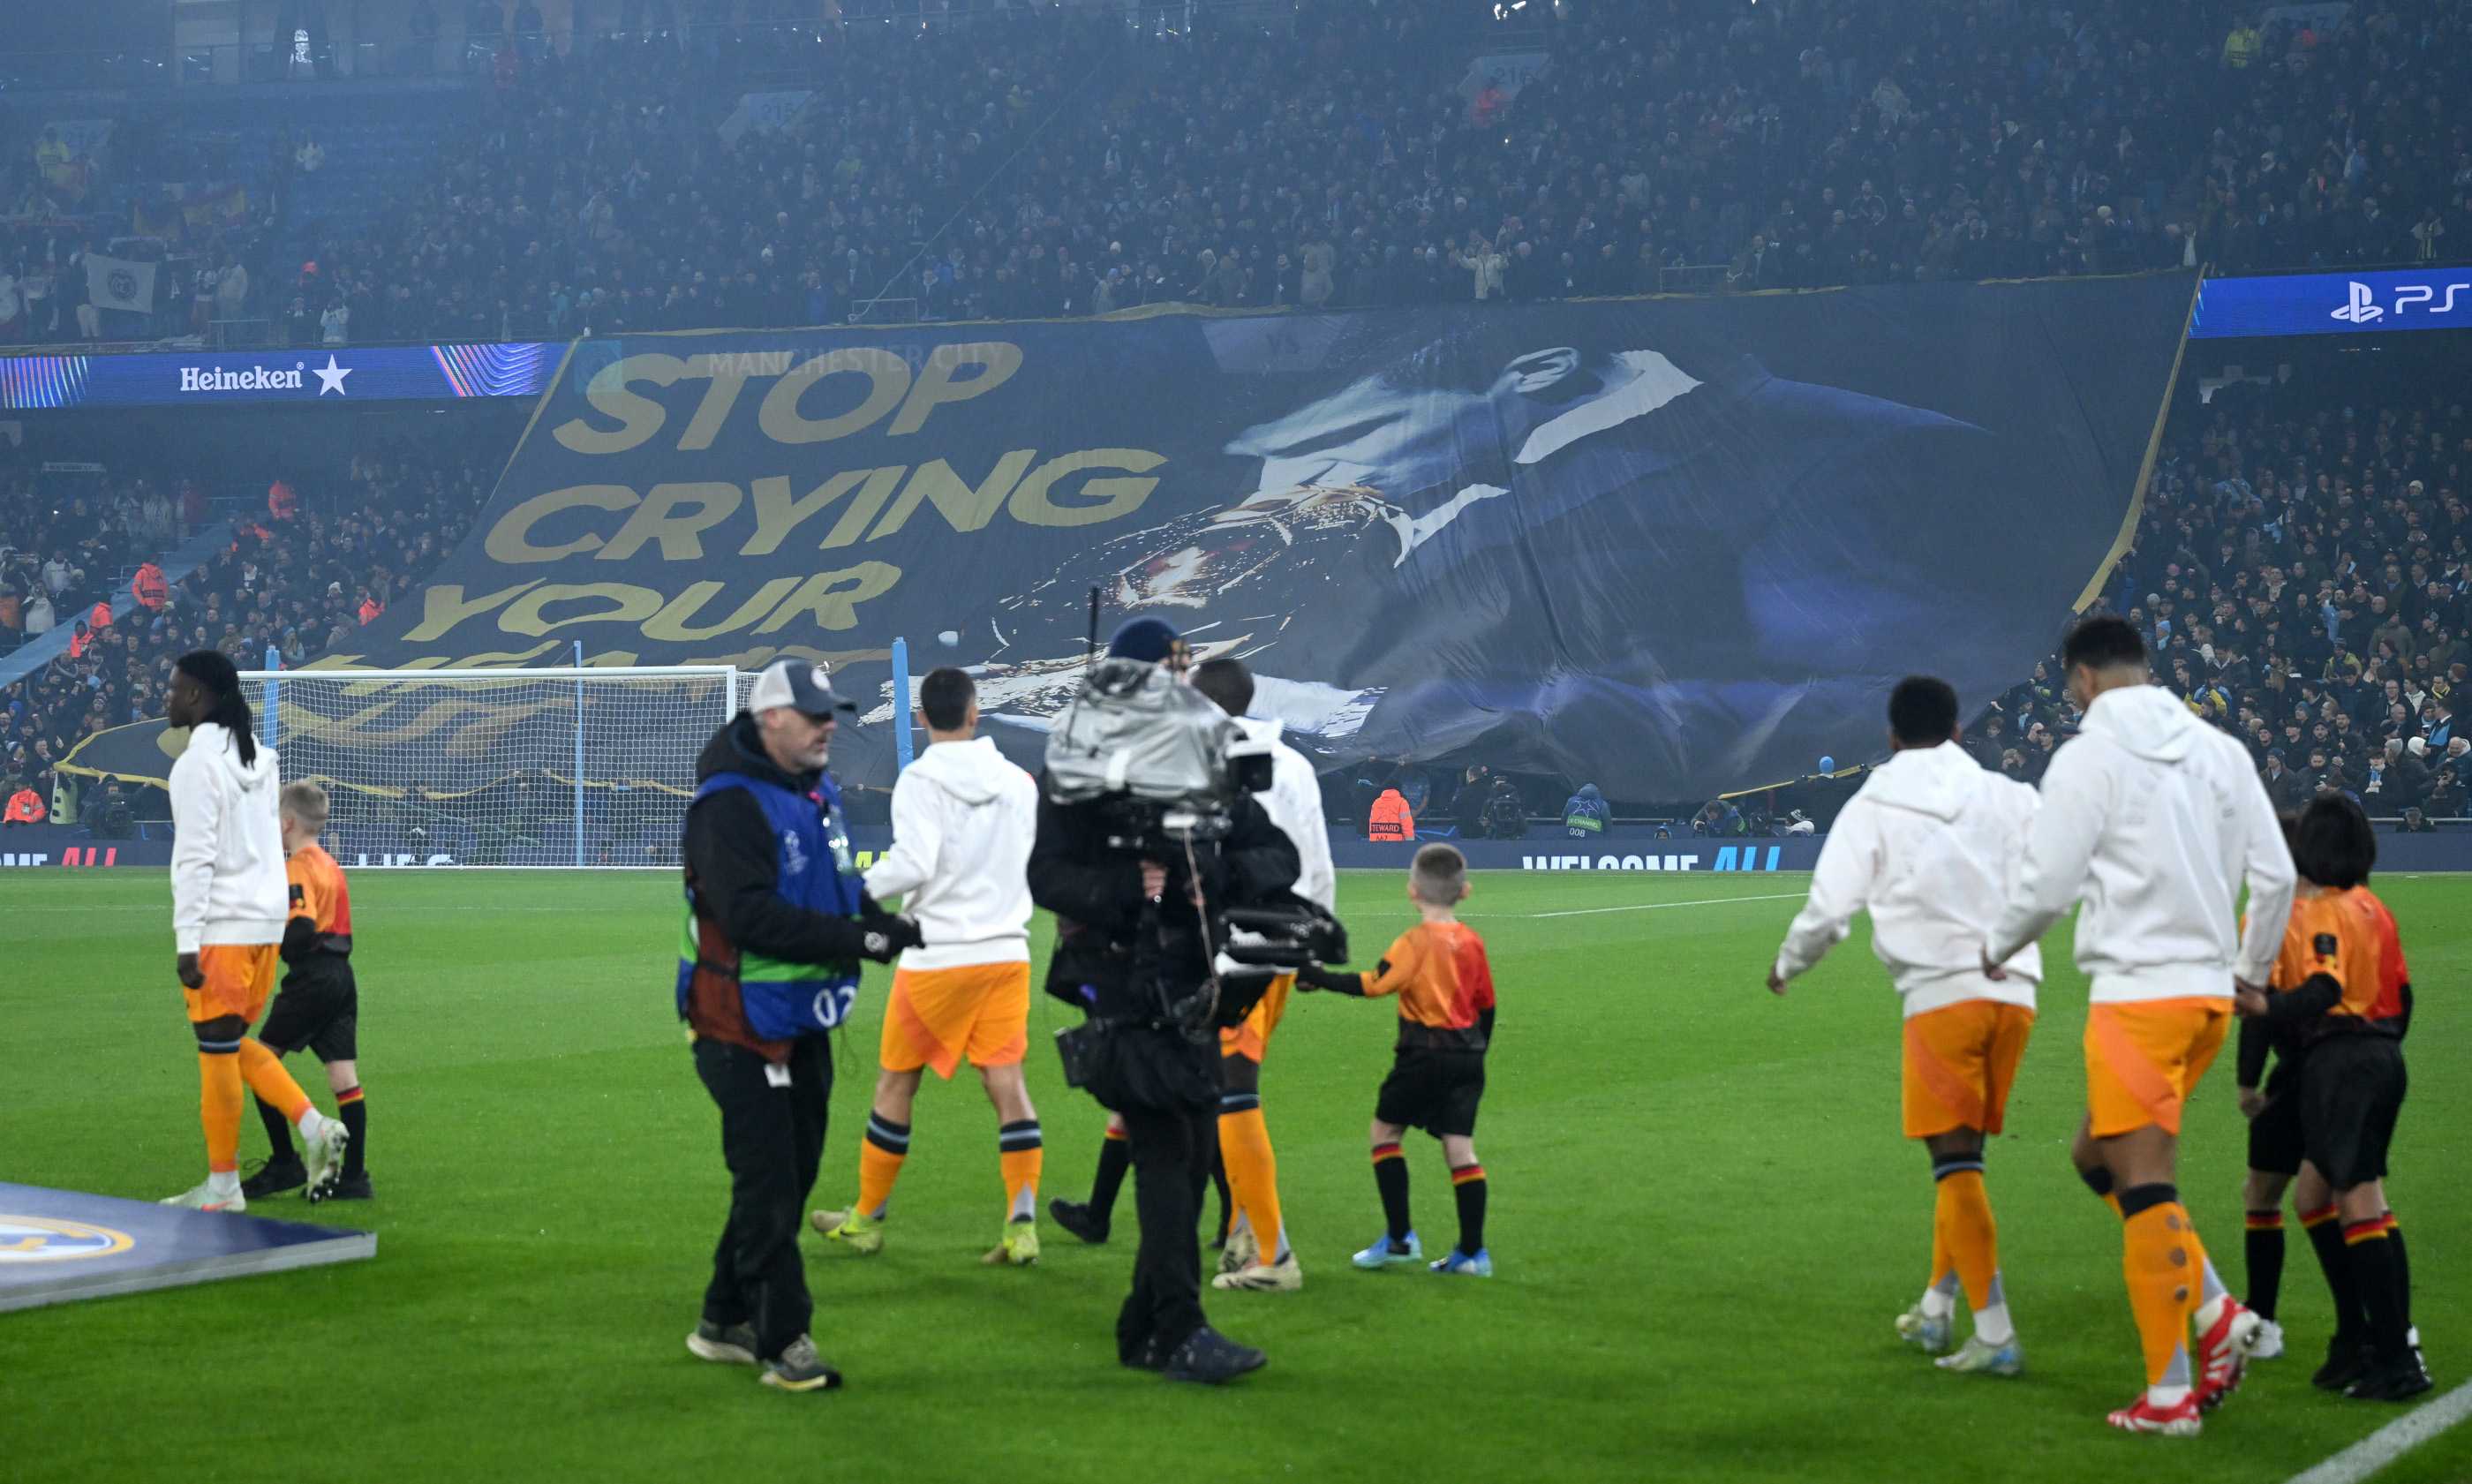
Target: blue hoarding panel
[2334, 304]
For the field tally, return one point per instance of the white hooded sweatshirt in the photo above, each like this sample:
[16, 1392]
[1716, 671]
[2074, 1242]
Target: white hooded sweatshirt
[2152, 818]
[962, 823]
[227, 883]
[1295, 805]
[1930, 847]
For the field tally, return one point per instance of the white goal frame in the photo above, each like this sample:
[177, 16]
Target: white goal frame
[731, 683]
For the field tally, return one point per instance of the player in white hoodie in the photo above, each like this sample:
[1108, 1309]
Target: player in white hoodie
[230, 899]
[1258, 1257]
[962, 823]
[2153, 819]
[1930, 848]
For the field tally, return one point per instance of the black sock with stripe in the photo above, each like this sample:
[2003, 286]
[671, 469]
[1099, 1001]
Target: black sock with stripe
[2264, 1249]
[1467, 1188]
[279, 1134]
[1115, 1157]
[1390, 1179]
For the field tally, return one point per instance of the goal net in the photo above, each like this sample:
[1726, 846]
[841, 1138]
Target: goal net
[534, 767]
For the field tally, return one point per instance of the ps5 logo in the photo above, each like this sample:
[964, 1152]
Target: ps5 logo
[2363, 308]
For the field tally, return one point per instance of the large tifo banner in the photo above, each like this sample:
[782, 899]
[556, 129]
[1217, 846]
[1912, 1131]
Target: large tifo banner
[1666, 546]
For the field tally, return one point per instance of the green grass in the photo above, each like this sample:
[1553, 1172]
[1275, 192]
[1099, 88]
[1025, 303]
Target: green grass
[1703, 1220]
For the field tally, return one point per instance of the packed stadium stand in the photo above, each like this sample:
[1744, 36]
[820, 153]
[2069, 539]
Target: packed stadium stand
[1012, 162]
[657, 169]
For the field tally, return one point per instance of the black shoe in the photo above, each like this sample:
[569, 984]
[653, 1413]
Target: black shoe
[723, 1344]
[800, 1369]
[2399, 1380]
[351, 1188]
[1147, 1359]
[1079, 1219]
[273, 1177]
[1210, 1358]
[2347, 1359]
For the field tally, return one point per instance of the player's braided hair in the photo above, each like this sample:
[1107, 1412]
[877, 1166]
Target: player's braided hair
[213, 669]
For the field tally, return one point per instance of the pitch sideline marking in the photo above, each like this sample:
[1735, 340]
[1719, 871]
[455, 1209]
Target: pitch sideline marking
[2391, 1440]
[1651, 907]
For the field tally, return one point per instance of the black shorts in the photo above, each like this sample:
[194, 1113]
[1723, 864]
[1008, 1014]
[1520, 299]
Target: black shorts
[2351, 1087]
[323, 1014]
[2275, 1136]
[1435, 1091]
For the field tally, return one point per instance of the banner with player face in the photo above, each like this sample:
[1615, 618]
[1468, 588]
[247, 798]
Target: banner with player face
[1668, 546]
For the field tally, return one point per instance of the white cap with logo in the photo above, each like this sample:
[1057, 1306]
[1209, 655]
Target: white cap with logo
[798, 685]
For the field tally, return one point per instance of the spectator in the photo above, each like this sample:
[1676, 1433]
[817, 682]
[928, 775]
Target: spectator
[2286, 788]
[2415, 822]
[148, 587]
[25, 806]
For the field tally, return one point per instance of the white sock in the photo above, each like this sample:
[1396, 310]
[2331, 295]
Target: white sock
[1938, 1304]
[310, 1121]
[2166, 1398]
[1991, 1326]
[223, 1183]
[1281, 1250]
[2211, 1287]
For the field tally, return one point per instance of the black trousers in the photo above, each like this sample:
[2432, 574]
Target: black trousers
[1171, 1150]
[773, 1138]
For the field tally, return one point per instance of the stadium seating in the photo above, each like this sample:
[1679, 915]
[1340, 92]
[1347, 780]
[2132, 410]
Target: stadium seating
[297, 586]
[1064, 164]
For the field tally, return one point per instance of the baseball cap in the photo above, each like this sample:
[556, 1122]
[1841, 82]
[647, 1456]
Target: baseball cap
[1143, 638]
[798, 685]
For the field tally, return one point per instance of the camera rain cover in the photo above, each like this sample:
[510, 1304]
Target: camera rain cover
[1133, 729]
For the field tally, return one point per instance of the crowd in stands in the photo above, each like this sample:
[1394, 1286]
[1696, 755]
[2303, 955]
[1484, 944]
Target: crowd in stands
[1045, 162]
[2303, 574]
[301, 578]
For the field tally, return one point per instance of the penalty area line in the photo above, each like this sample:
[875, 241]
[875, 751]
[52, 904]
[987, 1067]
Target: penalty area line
[2391, 1440]
[1655, 907]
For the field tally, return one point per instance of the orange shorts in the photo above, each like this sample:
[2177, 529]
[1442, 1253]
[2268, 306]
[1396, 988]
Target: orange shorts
[2144, 1059]
[240, 977]
[1250, 1038]
[935, 1017]
[1961, 1062]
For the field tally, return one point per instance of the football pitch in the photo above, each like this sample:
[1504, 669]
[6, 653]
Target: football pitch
[1702, 1219]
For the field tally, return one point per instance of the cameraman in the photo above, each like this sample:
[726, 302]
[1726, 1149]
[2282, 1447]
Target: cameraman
[776, 923]
[1150, 908]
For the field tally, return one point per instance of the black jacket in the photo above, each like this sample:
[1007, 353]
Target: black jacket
[731, 872]
[1095, 890]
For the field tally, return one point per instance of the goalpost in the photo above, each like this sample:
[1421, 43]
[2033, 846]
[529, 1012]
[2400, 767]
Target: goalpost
[498, 768]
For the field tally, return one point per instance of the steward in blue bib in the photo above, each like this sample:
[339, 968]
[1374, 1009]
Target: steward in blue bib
[777, 919]
[776, 922]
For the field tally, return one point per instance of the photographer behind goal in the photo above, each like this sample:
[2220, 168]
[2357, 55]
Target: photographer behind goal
[1148, 841]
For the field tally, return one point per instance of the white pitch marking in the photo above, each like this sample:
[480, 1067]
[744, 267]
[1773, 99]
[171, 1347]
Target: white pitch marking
[2391, 1440]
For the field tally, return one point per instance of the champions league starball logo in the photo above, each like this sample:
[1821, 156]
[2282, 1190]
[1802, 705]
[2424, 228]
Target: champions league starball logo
[42, 1240]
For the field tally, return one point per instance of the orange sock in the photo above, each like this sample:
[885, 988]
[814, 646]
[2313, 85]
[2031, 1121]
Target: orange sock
[264, 1072]
[218, 1110]
[1020, 1152]
[1252, 1173]
[2159, 1261]
[1973, 1237]
[1943, 1264]
[879, 1162]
